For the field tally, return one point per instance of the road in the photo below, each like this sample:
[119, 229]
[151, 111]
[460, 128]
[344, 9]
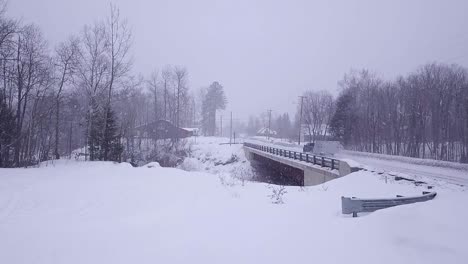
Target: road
[450, 175]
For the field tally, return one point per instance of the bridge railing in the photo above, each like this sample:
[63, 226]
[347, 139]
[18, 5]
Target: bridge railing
[301, 156]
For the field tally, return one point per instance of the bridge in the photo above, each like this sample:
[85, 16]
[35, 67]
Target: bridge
[306, 169]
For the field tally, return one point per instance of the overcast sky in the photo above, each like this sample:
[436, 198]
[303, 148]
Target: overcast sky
[266, 53]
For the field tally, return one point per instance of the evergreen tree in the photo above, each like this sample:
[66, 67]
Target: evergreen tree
[95, 136]
[7, 132]
[342, 120]
[103, 144]
[215, 99]
[111, 146]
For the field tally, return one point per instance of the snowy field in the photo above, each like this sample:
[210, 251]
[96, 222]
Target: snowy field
[100, 212]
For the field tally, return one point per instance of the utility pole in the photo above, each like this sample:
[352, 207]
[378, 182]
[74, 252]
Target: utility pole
[300, 121]
[230, 132]
[221, 126]
[269, 123]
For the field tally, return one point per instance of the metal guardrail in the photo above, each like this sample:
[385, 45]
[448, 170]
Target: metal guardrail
[301, 156]
[353, 205]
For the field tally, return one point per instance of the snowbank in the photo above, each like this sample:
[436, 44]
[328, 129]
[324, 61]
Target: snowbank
[100, 212]
[417, 161]
[213, 155]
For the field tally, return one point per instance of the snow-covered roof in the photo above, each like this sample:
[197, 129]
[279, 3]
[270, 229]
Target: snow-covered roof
[191, 129]
[266, 131]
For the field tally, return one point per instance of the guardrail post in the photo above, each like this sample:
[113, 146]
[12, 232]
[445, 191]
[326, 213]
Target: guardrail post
[323, 162]
[315, 160]
[333, 164]
[300, 156]
[307, 157]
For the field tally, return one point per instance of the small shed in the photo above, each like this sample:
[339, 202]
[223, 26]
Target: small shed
[162, 129]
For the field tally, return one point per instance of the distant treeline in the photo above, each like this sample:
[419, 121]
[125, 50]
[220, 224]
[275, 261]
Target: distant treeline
[423, 114]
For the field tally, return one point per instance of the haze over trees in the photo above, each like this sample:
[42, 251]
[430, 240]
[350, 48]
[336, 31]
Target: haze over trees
[423, 114]
[82, 94]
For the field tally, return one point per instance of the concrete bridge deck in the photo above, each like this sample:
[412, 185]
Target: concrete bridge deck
[309, 169]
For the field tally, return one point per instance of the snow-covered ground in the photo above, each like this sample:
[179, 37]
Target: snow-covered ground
[101, 212]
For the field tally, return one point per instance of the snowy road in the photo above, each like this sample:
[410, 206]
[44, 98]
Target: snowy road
[450, 175]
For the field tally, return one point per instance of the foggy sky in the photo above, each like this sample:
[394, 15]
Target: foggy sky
[266, 53]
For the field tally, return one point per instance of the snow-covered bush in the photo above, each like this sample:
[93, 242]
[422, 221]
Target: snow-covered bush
[191, 164]
[277, 194]
[227, 180]
[168, 153]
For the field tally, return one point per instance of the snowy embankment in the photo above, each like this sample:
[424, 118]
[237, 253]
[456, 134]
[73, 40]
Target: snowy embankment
[100, 212]
[431, 171]
[215, 156]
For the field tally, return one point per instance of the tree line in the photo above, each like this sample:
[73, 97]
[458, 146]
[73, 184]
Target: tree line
[423, 114]
[83, 93]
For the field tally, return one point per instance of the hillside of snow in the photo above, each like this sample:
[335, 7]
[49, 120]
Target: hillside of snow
[101, 212]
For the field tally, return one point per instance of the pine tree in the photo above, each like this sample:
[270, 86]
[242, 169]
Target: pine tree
[7, 132]
[95, 136]
[341, 122]
[215, 99]
[103, 144]
[111, 146]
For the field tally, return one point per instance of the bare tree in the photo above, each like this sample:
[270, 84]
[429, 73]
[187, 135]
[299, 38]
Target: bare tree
[65, 64]
[180, 74]
[153, 84]
[118, 42]
[317, 112]
[166, 77]
[92, 70]
[421, 115]
[31, 61]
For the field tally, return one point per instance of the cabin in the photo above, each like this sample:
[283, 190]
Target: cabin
[162, 129]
